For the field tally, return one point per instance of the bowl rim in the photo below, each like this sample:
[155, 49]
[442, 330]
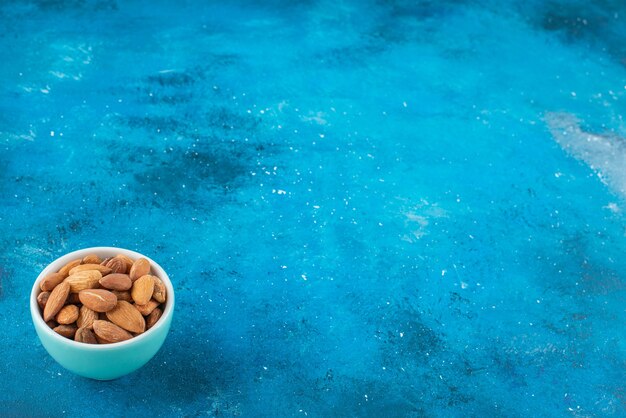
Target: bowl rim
[59, 262]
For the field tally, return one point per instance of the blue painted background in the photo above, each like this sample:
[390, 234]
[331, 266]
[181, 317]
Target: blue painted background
[368, 208]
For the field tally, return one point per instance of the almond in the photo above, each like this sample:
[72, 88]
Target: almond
[105, 261]
[123, 295]
[83, 280]
[154, 316]
[126, 316]
[143, 289]
[72, 299]
[129, 261]
[86, 317]
[56, 300]
[110, 332]
[146, 309]
[67, 315]
[102, 340]
[51, 281]
[67, 331]
[42, 298]
[117, 265]
[160, 292]
[116, 281]
[140, 267]
[98, 300]
[84, 267]
[65, 270]
[52, 323]
[91, 259]
[85, 335]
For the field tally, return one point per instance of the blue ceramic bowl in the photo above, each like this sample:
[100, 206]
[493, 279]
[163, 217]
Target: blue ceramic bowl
[106, 361]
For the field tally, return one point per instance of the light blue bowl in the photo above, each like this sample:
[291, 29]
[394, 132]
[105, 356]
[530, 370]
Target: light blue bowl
[106, 361]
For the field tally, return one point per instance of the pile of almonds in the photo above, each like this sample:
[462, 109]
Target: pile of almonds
[98, 301]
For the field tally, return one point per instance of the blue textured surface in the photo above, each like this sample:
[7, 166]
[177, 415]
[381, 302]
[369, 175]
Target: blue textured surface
[387, 208]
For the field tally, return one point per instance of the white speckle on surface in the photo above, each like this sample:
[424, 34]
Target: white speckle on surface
[58, 74]
[604, 153]
[303, 276]
[51, 133]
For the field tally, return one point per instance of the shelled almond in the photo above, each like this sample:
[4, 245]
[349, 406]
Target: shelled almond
[102, 301]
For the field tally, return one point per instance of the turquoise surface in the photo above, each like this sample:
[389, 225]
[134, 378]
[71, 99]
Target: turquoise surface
[367, 208]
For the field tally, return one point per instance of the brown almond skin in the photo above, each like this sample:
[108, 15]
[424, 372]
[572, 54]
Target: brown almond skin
[85, 267]
[67, 331]
[116, 281]
[110, 332]
[56, 300]
[105, 261]
[67, 315]
[129, 261]
[72, 299]
[92, 259]
[140, 267]
[154, 316]
[117, 265]
[142, 289]
[51, 281]
[127, 316]
[160, 292]
[85, 335]
[86, 317]
[42, 298]
[146, 309]
[122, 295]
[52, 323]
[65, 270]
[98, 300]
[102, 340]
[83, 280]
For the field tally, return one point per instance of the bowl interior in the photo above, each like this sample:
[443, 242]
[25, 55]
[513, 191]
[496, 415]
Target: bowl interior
[102, 252]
